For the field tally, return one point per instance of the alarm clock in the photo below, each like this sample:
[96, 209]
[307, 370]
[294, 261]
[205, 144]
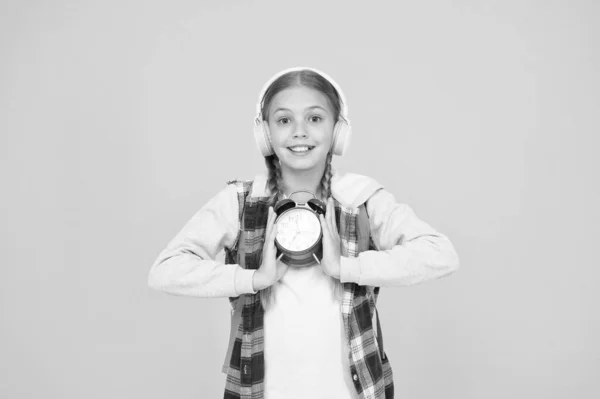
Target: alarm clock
[299, 233]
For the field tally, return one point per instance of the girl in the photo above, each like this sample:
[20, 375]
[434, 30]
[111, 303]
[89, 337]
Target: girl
[303, 332]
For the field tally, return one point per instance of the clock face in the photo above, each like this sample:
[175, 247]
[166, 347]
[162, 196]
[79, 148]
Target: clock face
[298, 229]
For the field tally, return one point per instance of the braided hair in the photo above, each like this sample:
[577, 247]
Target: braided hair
[277, 186]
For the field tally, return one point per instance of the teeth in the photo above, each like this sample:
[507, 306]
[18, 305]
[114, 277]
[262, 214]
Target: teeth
[299, 149]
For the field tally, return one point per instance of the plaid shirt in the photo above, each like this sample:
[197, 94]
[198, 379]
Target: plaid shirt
[369, 365]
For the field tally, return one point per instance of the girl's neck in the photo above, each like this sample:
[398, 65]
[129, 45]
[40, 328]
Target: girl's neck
[303, 180]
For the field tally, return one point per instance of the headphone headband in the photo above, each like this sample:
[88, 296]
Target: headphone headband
[343, 108]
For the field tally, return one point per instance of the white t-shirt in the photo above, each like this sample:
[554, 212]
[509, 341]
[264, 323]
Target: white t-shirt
[306, 353]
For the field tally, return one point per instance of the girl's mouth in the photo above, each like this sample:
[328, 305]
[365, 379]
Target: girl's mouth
[301, 149]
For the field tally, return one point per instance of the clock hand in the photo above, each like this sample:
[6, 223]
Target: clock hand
[293, 239]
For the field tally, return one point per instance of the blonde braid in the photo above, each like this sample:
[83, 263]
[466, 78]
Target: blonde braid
[325, 184]
[275, 179]
[325, 187]
[275, 185]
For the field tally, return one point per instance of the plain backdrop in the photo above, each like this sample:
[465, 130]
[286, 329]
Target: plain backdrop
[120, 119]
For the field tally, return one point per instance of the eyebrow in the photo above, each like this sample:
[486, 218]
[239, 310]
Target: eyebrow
[308, 108]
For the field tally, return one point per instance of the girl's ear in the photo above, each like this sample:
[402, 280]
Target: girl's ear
[283, 205]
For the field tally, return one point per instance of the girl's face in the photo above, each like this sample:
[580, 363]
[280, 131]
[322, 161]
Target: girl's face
[301, 125]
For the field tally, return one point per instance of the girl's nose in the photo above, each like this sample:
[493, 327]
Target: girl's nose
[299, 130]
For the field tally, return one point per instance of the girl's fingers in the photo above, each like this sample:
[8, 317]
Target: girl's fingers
[325, 217]
[325, 226]
[269, 224]
[331, 216]
[271, 239]
[273, 234]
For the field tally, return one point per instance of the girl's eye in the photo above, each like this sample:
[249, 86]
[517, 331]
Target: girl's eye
[284, 120]
[315, 118]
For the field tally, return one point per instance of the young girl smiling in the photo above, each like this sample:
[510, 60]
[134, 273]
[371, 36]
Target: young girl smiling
[311, 331]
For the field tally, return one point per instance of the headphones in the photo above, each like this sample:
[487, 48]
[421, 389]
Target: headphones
[341, 131]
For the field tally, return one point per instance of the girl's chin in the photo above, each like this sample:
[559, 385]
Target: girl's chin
[300, 163]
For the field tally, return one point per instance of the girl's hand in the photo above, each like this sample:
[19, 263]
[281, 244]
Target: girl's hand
[331, 242]
[271, 269]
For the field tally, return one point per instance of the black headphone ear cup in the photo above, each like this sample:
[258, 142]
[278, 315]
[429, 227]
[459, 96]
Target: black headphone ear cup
[283, 205]
[317, 206]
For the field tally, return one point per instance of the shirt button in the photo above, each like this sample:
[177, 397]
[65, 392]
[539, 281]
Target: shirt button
[355, 377]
